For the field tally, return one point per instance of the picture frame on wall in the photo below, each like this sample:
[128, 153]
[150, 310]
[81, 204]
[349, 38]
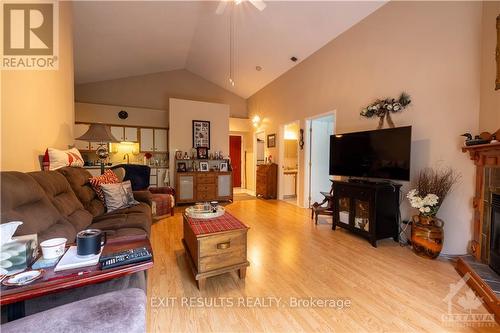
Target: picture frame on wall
[223, 166]
[204, 166]
[271, 141]
[202, 153]
[201, 133]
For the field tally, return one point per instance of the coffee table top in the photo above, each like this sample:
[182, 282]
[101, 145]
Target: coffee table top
[52, 282]
[226, 222]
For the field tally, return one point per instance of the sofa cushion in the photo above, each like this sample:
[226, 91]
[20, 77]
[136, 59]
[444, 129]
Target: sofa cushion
[78, 179]
[118, 196]
[138, 216]
[61, 195]
[108, 177]
[23, 199]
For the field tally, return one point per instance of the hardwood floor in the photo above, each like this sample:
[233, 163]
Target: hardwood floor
[390, 288]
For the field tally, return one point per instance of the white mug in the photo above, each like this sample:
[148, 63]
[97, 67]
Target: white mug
[53, 248]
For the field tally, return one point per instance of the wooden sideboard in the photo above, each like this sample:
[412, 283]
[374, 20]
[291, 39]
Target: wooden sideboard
[203, 186]
[267, 181]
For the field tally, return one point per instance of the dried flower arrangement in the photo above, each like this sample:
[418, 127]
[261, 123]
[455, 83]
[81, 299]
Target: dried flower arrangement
[431, 188]
[383, 108]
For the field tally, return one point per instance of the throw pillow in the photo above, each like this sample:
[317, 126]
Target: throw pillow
[118, 196]
[108, 177]
[55, 159]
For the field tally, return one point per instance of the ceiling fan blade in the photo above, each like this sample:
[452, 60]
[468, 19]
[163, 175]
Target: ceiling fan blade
[259, 4]
[220, 8]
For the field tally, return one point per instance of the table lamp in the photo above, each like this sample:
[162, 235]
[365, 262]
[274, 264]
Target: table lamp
[99, 133]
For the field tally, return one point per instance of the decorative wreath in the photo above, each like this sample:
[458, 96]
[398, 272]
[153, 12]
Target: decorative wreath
[383, 108]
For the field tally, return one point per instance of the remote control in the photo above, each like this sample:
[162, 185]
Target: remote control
[124, 258]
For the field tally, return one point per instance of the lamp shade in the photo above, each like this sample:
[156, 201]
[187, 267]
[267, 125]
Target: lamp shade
[98, 133]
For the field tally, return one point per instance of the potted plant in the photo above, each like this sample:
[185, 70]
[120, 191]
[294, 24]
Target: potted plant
[430, 190]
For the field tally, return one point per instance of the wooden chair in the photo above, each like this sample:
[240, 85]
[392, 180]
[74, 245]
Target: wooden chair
[318, 208]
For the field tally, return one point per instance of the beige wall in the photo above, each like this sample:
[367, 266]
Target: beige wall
[489, 117]
[99, 113]
[181, 132]
[154, 91]
[429, 49]
[37, 106]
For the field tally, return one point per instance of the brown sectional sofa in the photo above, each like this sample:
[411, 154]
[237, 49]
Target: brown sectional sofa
[61, 203]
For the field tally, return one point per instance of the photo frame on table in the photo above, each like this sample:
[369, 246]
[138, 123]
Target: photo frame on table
[271, 141]
[178, 155]
[223, 166]
[201, 133]
[202, 153]
[203, 166]
[181, 167]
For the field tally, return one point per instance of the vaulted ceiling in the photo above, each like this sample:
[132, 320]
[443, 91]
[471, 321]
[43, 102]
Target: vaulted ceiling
[115, 39]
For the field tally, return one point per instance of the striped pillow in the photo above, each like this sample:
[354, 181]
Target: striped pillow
[108, 177]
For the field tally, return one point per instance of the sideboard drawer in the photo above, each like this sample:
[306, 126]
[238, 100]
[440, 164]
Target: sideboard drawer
[205, 179]
[206, 187]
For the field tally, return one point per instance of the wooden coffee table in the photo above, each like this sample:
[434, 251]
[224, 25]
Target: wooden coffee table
[215, 246]
[52, 282]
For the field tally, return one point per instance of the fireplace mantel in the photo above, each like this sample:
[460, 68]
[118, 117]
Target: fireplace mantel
[484, 156]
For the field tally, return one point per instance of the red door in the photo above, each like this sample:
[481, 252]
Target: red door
[235, 154]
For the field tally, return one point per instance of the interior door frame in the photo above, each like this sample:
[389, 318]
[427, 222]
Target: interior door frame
[307, 153]
[281, 153]
[254, 159]
[242, 159]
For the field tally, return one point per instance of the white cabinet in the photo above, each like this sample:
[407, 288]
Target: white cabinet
[147, 139]
[124, 134]
[130, 134]
[117, 133]
[161, 173]
[153, 140]
[160, 142]
[80, 129]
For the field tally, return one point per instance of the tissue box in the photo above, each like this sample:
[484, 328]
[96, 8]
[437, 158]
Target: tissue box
[19, 254]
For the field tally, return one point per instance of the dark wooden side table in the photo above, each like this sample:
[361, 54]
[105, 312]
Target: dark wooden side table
[318, 208]
[215, 246]
[52, 282]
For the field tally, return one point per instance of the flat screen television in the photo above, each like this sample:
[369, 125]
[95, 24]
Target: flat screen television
[381, 153]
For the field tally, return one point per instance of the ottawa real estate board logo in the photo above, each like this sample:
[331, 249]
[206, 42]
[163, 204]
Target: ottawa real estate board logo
[30, 35]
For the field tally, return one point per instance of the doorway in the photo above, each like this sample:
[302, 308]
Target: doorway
[235, 155]
[317, 156]
[289, 162]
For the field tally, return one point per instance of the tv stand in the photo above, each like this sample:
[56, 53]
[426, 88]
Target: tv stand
[369, 209]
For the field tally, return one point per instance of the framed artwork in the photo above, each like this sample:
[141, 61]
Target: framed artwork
[181, 167]
[178, 155]
[271, 141]
[223, 166]
[202, 153]
[203, 166]
[201, 133]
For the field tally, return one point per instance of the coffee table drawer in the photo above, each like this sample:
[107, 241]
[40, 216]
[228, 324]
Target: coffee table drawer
[224, 243]
[236, 256]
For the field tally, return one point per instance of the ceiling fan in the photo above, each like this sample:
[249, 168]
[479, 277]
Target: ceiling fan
[259, 4]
